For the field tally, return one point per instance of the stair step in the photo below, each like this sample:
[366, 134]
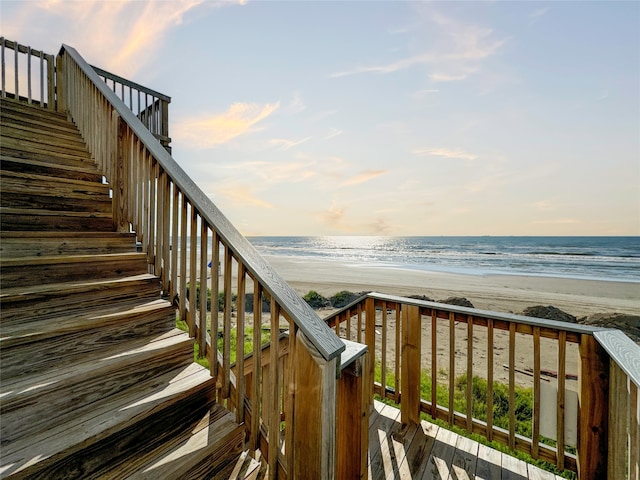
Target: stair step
[35, 244]
[113, 429]
[34, 183]
[88, 172]
[47, 343]
[43, 155]
[18, 304]
[30, 219]
[210, 442]
[13, 127]
[49, 398]
[245, 468]
[26, 271]
[25, 110]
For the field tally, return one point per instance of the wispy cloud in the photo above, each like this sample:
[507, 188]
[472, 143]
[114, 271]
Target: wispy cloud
[121, 36]
[444, 152]
[271, 173]
[460, 49]
[333, 132]
[557, 221]
[239, 194]
[214, 130]
[284, 144]
[363, 177]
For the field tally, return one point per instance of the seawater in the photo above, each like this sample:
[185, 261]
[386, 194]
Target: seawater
[601, 258]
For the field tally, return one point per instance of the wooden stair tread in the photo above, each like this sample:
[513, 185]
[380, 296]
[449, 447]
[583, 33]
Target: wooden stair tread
[14, 390]
[12, 104]
[212, 440]
[76, 320]
[63, 259]
[18, 244]
[107, 418]
[30, 179]
[89, 169]
[38, 212]
[34, 130]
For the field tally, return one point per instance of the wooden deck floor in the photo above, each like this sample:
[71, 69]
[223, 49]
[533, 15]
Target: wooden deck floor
[430, 452]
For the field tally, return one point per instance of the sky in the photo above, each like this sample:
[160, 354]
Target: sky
[383, 118]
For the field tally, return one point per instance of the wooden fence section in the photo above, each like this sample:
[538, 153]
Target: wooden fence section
[538, 386]
[151, 107]
[29, 76]
[222, 286]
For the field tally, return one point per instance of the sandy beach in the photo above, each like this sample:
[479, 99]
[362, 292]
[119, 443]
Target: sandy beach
[501, 293]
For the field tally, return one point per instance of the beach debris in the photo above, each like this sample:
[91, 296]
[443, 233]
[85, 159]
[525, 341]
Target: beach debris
[549, 313]
[458, 301]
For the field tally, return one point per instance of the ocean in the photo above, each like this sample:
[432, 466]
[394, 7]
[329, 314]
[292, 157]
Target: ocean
[600, 258]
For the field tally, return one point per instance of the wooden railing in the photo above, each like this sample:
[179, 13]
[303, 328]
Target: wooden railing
[194, 248]
[151, 107]
[472, 368]
[27, 74]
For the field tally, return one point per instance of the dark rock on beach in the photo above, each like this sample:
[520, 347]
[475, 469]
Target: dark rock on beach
[629, 324]
[458, 301]
[548, 313]
[422, 297]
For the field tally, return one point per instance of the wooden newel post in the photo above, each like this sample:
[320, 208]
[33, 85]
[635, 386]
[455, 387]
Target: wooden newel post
[410, 369]
[314, 413]
[593, 410]
[352, 425]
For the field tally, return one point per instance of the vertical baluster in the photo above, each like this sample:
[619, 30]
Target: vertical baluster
[215, 287]
[383, 367]
[619, 409]
[359, 310]
[154, 234]
[347, 333]
[193, 270]
[15, 61]
[359, 327]
[274, 391]
[396, 385]
[535, 434]
[240, 317]
[289, 387]
[512, 388]
[634, 430]
[29, 75]
[42, 78]
[434, 363]
[183, 260]
[3, 43]
[146, 177]
[226, 335]
[202, 330]
[469, 373]
[489, 431]
[562, 355]
[174, 245]
[452, 363]
[254, 442]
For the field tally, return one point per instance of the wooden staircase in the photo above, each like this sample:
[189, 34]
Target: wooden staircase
[96, 381]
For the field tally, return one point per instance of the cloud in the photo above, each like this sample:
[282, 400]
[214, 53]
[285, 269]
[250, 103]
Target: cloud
[214, 130]
[240, 195]
[271, 173]
[460, 49]
[333, 132]
[284, 144]
[363, 177]
[121, 36]
[557, 221]
[297, 104]
[444, 152]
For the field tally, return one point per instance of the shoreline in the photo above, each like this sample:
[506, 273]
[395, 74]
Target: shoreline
[495, 292]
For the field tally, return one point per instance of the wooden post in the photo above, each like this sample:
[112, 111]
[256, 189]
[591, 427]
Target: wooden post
[410, 369]
[352, 426]
[61, 104]
[370, 341]
[593, 403]
[314, 413]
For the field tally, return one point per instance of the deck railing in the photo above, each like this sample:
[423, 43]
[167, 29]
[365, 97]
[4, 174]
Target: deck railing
[151, 107]
[27, 74]
[223, 288]
[546, 383]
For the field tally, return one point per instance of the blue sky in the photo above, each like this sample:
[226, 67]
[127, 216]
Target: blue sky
[384, 118]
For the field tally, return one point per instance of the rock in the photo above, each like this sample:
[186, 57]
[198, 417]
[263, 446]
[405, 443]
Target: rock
[458, 301]
[422, 297]
[629, 324]
[549, 313]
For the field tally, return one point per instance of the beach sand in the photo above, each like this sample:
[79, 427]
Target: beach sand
[500, 293]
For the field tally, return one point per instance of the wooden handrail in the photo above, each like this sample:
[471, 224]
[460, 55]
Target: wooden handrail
[422, 328]
[292, 304]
